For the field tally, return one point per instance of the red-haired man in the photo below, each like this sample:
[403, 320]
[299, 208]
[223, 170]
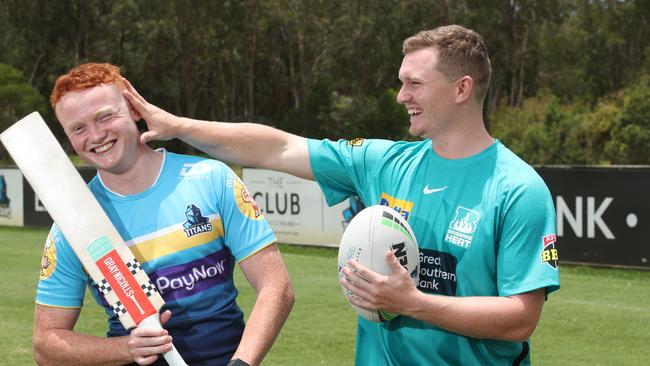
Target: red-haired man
[184, 218]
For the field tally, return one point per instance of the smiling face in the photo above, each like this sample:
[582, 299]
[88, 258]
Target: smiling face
[101, 127]
[427, 93]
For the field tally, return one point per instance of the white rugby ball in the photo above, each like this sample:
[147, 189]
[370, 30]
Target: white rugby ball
[372, 232]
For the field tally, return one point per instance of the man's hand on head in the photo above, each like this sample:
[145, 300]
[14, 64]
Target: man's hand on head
[162, 125]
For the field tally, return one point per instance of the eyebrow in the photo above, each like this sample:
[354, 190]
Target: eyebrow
[105, 110]
[411, 78]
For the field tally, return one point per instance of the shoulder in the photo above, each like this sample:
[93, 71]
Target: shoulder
[366, 147]
[193, 166]
[409, 148]
[56, 235]
[517, 175]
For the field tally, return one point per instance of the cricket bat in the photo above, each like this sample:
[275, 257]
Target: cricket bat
[83, 222]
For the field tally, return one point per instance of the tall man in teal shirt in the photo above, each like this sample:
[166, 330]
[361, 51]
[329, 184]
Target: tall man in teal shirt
[483, 218]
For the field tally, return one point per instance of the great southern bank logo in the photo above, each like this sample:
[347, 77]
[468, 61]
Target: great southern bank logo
[462, 227]
[196, 223]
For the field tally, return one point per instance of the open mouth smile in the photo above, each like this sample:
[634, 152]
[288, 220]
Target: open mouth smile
[103, 148]
[414, 112]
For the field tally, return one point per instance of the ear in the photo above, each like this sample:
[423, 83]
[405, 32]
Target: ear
[134, 112]
[464, 88]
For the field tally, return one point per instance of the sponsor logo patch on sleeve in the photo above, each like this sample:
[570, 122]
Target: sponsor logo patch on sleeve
[356, 142]
[402, 206]
[48, 261]
[245, 201]
[549, 252]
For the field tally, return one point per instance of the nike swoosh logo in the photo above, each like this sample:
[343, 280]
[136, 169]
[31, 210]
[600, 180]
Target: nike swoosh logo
[428, 190]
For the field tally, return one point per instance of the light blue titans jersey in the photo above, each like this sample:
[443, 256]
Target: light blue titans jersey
[187, 230]
[485, 226]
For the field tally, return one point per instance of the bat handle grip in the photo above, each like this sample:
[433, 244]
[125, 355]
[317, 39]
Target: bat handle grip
[172, 357]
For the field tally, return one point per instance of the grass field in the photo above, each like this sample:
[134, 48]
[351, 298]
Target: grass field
[599, 317]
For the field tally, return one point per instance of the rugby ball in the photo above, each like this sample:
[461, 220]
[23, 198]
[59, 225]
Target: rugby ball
[372, 232]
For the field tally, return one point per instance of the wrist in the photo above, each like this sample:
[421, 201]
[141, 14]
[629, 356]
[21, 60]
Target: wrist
[237, 362]
[415, 305]
[183, 127]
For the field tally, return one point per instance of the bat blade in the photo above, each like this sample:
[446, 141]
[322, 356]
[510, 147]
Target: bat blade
[84, 224]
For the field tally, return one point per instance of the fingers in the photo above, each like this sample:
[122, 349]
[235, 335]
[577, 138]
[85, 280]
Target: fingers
[165, 316]
[162, 125]
[372, 290]
[362, 271]
[146, 360]
[361, 302]
[134, 98]
[134, 101]
[146, 137]
[393, 263]
[146, 343]
[357, 295]
[361, 291]
[131, 90]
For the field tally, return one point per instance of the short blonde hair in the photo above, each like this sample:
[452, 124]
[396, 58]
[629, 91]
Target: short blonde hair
[461, 52]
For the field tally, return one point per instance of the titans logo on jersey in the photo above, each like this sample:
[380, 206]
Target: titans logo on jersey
[195, 223]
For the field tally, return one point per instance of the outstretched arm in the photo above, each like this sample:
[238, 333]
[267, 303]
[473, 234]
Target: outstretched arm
[55, 342]
[511, 318]
[266, 272]
[245, 144]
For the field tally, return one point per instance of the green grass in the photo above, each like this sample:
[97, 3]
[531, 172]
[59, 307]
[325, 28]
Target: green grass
[599, 317]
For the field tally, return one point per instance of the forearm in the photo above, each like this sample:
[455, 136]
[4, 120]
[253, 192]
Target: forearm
[271, 310]
[66, 347]
[248, 145]
[503, 318]
[245, 144]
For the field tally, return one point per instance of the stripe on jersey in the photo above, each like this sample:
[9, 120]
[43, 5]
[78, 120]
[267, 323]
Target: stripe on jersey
[171, 240]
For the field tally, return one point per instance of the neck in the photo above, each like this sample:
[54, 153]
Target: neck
[465, 136]
[140, 176]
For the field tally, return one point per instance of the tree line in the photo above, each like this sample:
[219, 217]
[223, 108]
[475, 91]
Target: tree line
[571, 78]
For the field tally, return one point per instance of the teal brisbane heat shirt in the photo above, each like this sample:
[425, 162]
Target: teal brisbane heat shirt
[485, 226]
[187, 230]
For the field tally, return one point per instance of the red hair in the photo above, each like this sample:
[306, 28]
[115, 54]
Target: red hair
[86, 76]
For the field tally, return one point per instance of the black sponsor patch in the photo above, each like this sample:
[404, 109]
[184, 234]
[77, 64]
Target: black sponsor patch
[437, 272]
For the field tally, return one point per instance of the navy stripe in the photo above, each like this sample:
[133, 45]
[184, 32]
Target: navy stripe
[524, 352]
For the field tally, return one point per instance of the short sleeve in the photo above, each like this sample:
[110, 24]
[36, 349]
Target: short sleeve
[345, 168]
[62, 280]
[246, 231]
[527, 256]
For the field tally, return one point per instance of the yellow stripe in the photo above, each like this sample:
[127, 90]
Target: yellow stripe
[174, 241]
[255, 252]
[57, 306]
